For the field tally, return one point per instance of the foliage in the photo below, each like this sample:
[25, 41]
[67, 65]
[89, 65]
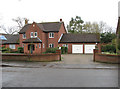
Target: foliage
[75, 25]
[6, 50]
[119, 44]
[20, 50]
[51, 50]
[109, 48]
[64, 50]
[107, 37]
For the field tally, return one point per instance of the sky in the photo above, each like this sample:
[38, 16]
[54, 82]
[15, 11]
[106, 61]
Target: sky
[53, 10]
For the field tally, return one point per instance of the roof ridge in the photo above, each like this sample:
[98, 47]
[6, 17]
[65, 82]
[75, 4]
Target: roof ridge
[48, 22]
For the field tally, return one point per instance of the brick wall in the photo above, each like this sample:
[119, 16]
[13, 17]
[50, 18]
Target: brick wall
[107, 58]
[32, 57]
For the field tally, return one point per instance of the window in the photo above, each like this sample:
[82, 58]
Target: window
[24, 36]
[22, 45]
[51, 35]
[36, 45]
[51, 45]
[39, 45]
[65, 45]
[31, 34]
[43, 46]
[35, 34]
[12, 46]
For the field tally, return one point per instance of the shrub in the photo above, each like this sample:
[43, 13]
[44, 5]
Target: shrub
[51, 50]
[6, 50]
[20, 50]
[64, 50]
[108, 48]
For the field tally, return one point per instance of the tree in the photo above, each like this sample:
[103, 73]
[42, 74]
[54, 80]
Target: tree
[75, 25]
[20, 23]
[107, 37]
[91, 27]
[95, 27]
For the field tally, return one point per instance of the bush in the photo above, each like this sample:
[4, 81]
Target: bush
[64, 50]
[51, 50]
[6, 50]
[20, 50]
[108, 48]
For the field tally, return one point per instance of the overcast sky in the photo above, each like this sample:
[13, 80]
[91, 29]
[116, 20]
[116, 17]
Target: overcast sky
[53, 10]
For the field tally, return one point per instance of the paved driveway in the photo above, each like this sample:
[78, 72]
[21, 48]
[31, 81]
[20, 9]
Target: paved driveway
[77, 59]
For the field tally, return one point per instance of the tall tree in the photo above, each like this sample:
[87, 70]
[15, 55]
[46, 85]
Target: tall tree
[75, 25]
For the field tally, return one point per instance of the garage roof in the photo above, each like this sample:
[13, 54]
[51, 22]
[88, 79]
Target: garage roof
[80, 38]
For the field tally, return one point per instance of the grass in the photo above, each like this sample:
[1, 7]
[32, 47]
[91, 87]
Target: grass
[109, 53]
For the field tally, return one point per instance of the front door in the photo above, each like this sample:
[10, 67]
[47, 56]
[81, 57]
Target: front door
[31, 48]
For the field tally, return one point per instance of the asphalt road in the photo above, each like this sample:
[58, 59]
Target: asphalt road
[56, 77]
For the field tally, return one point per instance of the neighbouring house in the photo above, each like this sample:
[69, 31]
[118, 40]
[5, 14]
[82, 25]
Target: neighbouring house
[37, 37]
[118, 28]
[10, 41]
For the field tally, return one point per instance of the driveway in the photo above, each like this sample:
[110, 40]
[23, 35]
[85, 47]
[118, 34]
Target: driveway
[77, 59]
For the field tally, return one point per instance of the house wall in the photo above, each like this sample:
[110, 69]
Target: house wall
[16, 46]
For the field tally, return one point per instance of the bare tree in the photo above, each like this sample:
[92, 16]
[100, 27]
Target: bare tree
[12, 30]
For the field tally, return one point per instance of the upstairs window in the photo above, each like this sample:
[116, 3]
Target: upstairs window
[24, 36]
[51, 35]
[35, 34]
[51, 45]
[31, 34]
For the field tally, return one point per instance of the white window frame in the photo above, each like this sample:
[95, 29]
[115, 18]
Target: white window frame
[24, 36]
[12, 46]
[51, 45]
[51, 35]
[43, 45]
[39, 45]
[22, 45]
[34, 34]
[31, 35]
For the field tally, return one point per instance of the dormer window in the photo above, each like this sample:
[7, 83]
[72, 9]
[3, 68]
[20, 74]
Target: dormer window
[31, 34]
[51, 35]
[24, 36]
[35, 34]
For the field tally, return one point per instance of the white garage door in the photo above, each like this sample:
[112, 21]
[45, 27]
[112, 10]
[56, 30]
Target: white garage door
[89, 48]
[77, 48]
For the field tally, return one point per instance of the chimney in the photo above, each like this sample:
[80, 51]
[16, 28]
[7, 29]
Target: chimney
[60, 20]
[26, 21]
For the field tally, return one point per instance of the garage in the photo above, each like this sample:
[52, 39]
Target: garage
[89, 48]
[77, 48]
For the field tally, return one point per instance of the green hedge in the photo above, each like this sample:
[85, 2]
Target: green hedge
[64, 50]
[108, 48]
[20, 50]
[51, 50]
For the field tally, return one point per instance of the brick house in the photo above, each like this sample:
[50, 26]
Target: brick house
[9, 41]
[118, 28]
[37, 37]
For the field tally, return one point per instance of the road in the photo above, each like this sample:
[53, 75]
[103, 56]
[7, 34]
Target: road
[59, 77]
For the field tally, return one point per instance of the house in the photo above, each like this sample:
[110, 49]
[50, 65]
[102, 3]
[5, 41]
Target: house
[37, 37]
[10, 41]
[118, 28]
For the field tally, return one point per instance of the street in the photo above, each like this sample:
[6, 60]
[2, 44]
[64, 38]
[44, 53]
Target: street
[50, 77]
